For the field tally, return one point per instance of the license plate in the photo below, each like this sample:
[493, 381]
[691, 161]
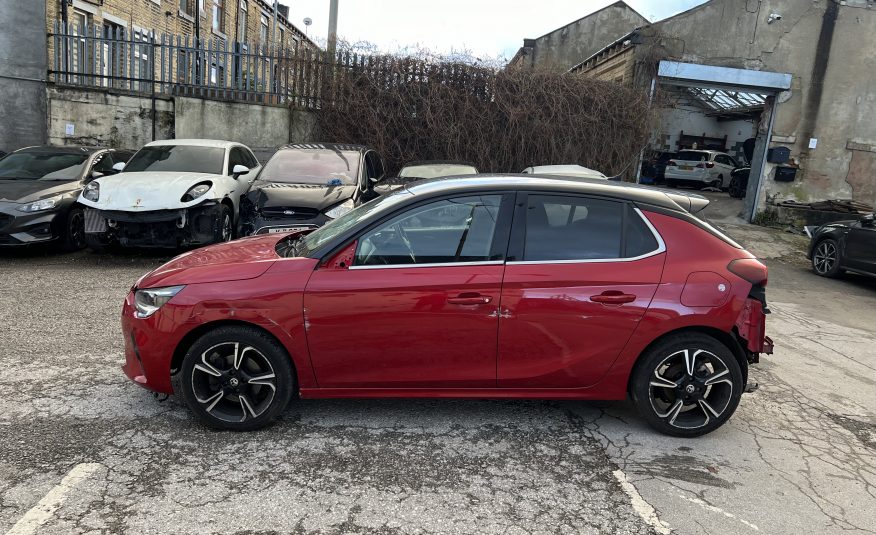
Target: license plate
[285, 229]
[685, 168]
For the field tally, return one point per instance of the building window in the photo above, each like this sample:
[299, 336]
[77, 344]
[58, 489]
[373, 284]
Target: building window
[281, 40]
[241, 21]
[263, 30]
[187, 7]
[218, 16]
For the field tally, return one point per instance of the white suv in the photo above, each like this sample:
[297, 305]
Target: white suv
[700, 168]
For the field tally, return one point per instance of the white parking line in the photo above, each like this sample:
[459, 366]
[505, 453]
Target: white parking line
[714, 509]
[40, 513]
[642, 508]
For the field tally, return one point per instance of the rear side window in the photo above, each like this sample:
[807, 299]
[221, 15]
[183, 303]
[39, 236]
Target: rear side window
[638, 240]
[572, 228]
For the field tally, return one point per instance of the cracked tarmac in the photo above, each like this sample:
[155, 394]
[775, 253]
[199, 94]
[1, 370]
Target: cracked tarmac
[799, 456]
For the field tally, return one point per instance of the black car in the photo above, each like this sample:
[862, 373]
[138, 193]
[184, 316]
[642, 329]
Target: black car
[308, 185]
[844, 246]
[654, 167]
[38, 191]
[739, 182]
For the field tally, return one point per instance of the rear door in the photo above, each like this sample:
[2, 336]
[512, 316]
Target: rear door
[860, 248]
[580, 275]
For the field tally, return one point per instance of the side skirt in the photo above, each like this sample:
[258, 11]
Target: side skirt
[594, 393]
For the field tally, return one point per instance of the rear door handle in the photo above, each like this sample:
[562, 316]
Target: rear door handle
[613, 297]
[469, 299]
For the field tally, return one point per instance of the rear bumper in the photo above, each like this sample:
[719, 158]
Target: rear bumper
[704, 177]
[751, 326]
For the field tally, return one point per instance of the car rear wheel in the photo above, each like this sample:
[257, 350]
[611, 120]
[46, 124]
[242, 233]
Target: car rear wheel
[825, 258]
[687, 385]
[73, 238]
[736, 190]
[236, 378]
[718, 183]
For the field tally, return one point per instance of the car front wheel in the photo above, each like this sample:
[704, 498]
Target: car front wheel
[687, 385]
[236, 378]
[223, 229]
[73, 238]
[825, 258]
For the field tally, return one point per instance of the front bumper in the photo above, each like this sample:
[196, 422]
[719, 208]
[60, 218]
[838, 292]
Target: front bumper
[29, 228]
[149, 346]
[159, 228]
[254, 224]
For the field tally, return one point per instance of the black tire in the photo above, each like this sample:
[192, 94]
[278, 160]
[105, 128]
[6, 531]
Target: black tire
[97, 243]
[825, 258]
[232, 400]
[698, 403]
[73, 232]
[735, 188]
[223, 226]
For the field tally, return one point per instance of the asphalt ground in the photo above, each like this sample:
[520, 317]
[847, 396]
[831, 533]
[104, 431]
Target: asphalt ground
[86, 451]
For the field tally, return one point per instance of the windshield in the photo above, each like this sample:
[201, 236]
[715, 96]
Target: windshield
[313, 166]
[437, 170]
[42, 166]
[336, 227]
[693, 156]
[178, 159]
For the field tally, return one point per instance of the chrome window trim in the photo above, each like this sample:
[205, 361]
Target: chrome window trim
[661, 248]
[439, 264]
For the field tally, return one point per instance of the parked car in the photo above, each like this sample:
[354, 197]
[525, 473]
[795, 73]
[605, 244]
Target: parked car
[307, 185]
[38, 191]
[2, 154]
[739, 182]
[575, 171]
[480, 287]
[844, 246]
[173, 193]
[654, 167]
[415, 171]
[700, 168]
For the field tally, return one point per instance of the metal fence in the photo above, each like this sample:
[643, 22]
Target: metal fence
[141, 62]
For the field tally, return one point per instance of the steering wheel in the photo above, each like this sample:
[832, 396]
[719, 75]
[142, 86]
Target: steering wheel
[397, 228]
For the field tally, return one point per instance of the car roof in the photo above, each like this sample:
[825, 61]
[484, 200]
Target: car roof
[218, 143]
[710, 151]
[560, 184]
[574, 169]
[324, 146]
[67, 149]
[437, 162]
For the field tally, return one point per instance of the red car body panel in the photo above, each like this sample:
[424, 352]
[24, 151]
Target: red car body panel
[495, 330]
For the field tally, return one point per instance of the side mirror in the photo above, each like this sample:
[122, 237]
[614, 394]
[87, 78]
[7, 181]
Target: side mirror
[867, 220]
[239, 170]
[119, 167]
[95, 174]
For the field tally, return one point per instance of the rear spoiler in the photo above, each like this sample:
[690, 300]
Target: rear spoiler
[689, 202]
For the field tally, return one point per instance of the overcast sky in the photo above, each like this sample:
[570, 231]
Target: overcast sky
[491, 28]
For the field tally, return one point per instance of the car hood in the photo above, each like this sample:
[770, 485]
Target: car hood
[149, 191]
[278, 195]
[24, 191]
[242, 259]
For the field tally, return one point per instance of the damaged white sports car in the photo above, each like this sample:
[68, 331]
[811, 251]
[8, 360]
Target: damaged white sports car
[173, 193]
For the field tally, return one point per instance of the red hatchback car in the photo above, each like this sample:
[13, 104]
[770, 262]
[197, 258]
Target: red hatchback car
[480, 287]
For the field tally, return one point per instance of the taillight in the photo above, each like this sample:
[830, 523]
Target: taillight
[710, 165]
[750, 269]
[671, 163]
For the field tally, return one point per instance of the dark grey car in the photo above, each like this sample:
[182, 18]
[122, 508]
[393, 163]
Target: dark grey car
[844, 246]
[308, 185]
[38, 191]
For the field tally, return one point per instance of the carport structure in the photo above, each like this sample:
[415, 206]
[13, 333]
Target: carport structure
[729, 92]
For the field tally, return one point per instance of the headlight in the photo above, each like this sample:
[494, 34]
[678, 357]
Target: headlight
[340, 209]
[198, 190]
[39, 206]
[148, 301]
[92, 192]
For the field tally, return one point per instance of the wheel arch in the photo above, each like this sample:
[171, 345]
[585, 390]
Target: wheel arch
[192, 336]
[729, 340]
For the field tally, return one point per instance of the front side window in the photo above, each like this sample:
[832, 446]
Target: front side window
[445, 231]
[178, 158]
[572, 228]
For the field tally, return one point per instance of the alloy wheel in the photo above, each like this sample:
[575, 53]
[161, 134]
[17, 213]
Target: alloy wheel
[77, 229]
[226, 228]
[690, 388]
[825, 258]
[234, 382]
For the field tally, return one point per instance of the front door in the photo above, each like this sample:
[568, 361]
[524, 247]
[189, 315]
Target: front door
[418, 308]
[582, 277]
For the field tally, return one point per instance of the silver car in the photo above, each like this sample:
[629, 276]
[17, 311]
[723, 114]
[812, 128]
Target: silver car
[700, 168]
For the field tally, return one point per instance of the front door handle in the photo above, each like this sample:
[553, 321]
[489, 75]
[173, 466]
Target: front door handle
[469, 299]
[613, 297]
